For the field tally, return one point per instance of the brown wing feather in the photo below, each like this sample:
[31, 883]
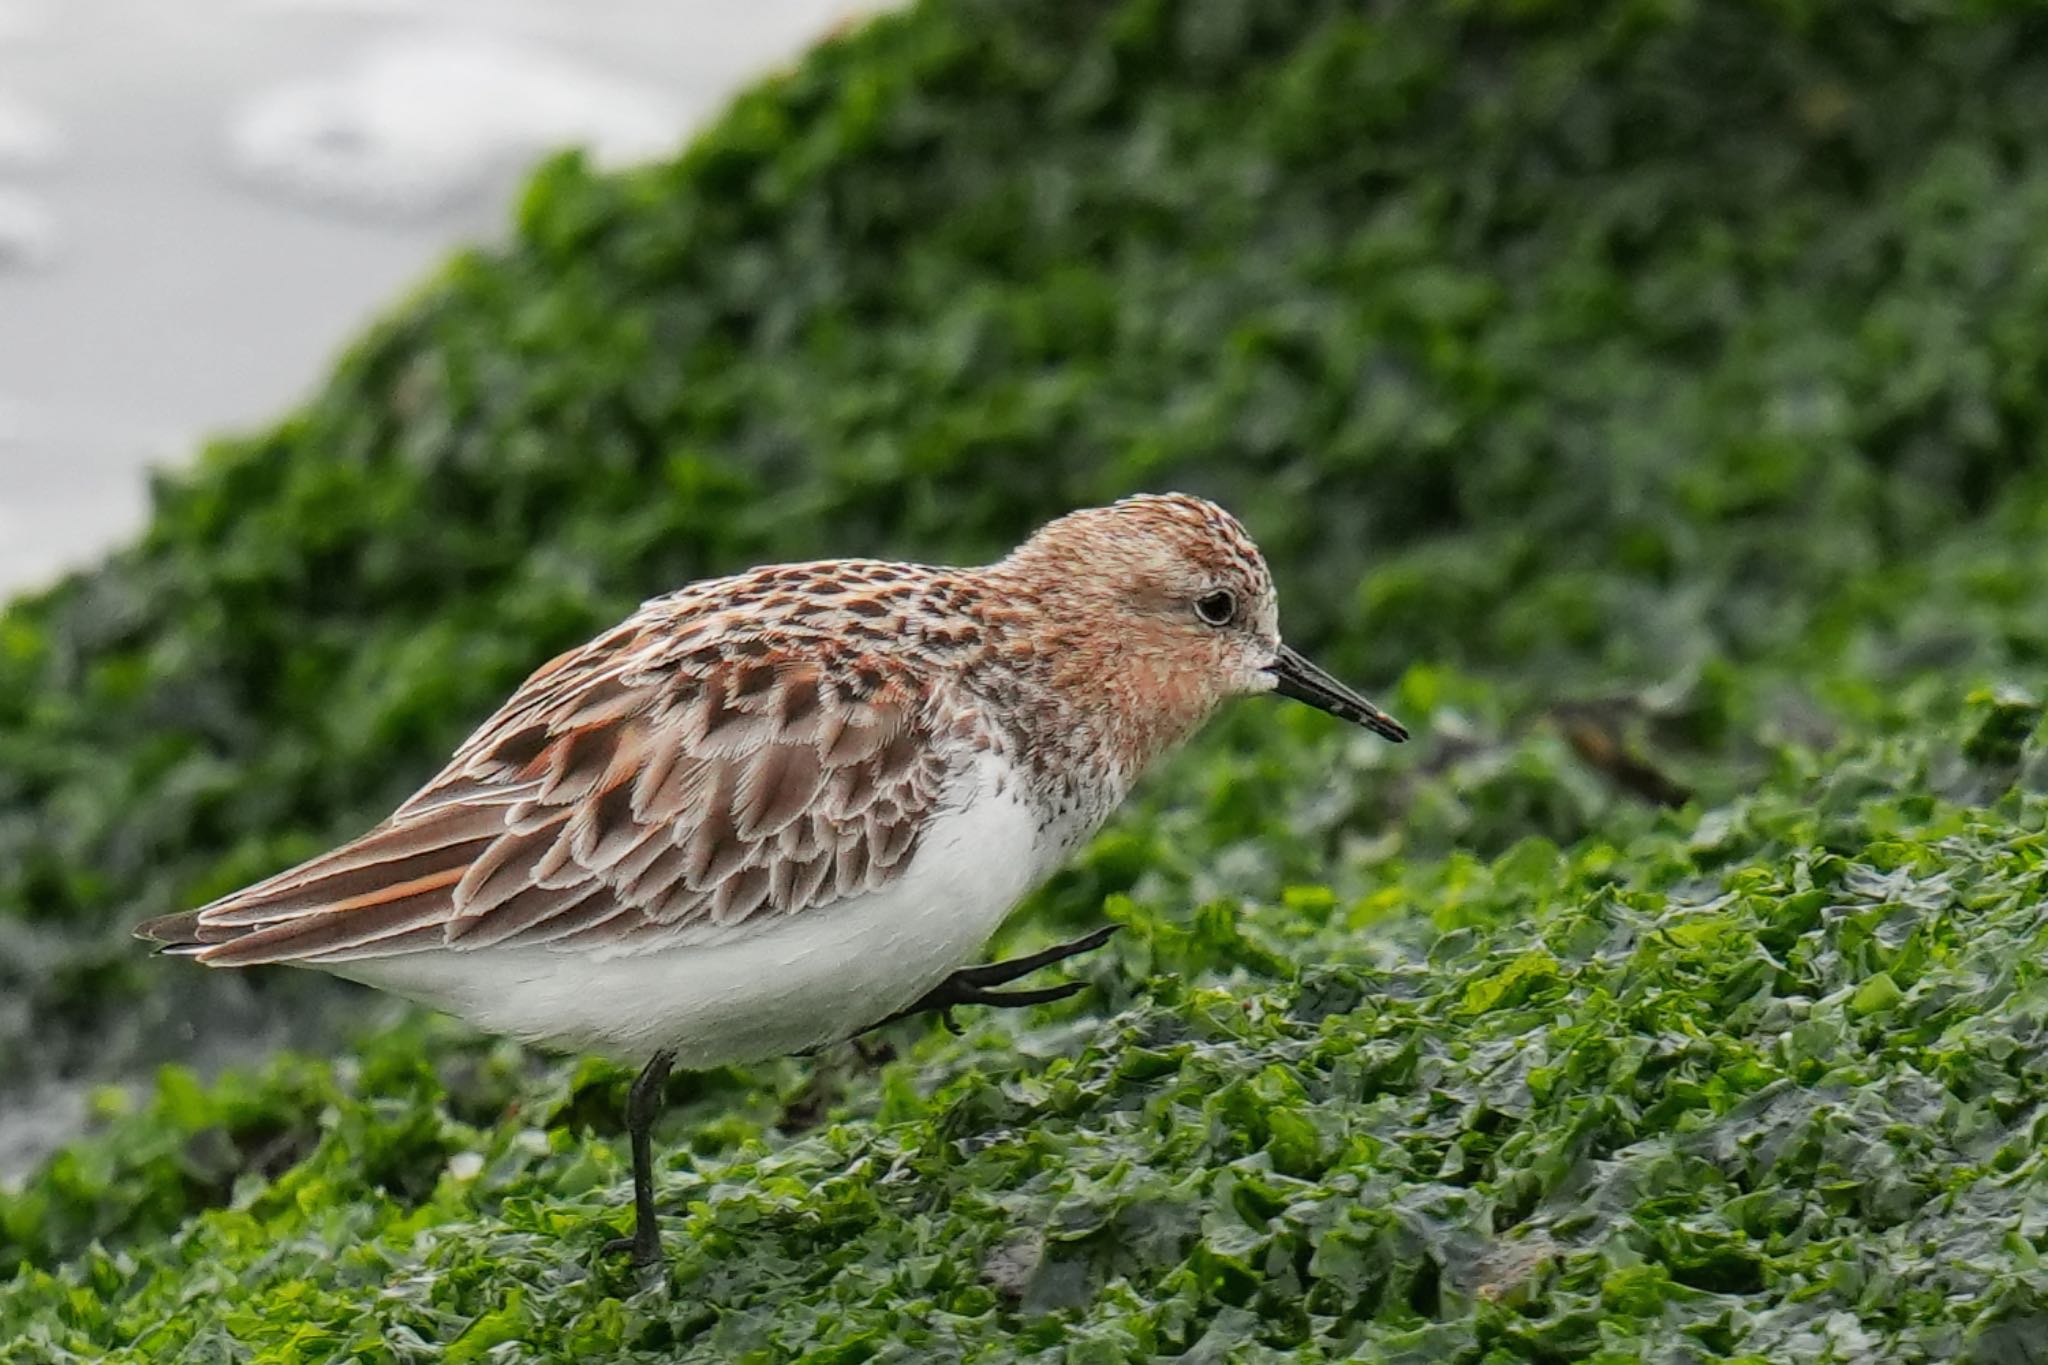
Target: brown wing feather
[628, 791]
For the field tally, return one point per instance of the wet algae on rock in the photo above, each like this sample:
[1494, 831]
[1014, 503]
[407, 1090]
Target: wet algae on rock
[1655, 389]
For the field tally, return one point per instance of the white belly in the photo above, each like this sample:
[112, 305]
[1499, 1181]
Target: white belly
[812, 978]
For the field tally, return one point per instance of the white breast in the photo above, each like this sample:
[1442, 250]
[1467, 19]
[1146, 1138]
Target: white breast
[793, 983]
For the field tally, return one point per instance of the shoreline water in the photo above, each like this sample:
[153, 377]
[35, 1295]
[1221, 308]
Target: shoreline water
[204, 214]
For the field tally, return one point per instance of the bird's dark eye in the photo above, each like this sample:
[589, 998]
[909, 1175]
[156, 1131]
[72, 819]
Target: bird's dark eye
[1217, 608]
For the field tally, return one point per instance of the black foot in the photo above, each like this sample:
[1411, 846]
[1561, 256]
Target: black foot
[646, 1252]
[970, 985]
[643, 1105]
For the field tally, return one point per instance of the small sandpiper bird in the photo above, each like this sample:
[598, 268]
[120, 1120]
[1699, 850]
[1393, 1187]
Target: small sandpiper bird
[769, 811]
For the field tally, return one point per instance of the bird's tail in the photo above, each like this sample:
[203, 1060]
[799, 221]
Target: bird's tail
[175, 935]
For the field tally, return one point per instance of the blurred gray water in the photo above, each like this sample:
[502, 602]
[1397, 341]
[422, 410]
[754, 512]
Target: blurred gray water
[201, 202]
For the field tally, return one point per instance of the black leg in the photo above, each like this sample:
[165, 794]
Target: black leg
[643, 1107]
[970, 985]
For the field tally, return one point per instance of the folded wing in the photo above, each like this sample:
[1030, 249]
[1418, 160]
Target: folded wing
[626, 796]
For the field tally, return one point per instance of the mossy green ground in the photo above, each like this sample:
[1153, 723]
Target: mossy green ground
[1645, 398]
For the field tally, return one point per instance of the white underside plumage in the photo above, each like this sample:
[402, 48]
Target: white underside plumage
[784, 985]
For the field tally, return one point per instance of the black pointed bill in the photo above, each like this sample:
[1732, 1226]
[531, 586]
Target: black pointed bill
[1296, 677]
